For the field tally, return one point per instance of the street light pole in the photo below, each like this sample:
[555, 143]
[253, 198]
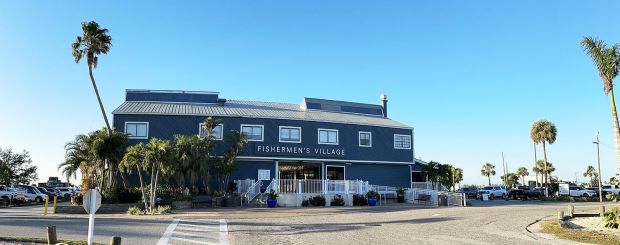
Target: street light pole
[598, 160]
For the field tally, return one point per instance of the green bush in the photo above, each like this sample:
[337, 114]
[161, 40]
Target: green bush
[359, 200]
[372, 194]
[317, 200]
[337, 201]
[133, 210]
[612, 197]
[612, 218]
[305, 203]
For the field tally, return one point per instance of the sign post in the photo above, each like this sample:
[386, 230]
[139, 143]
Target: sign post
[91, 202]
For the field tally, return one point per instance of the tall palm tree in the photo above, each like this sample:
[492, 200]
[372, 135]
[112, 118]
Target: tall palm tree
[607, 62]
[590, 173]
[545, 132]
[488, 170]
[93, 42]
[536, 170]
[522, 172]
[549, 168]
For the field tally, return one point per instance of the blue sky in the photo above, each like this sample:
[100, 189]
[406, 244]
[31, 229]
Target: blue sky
[470, 77]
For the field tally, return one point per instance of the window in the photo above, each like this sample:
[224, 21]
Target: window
[402, 141]
[253, 132]
[290, 134]
[328, 136]
[218, 131]
[335, 172]
[137, 130]
[365, 139]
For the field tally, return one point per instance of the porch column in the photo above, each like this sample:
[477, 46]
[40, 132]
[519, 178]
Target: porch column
[277, 177]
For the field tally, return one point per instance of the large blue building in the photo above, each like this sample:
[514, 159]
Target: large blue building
[316, 139]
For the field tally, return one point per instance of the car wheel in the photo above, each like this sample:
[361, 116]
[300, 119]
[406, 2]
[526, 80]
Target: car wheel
[38, 199]
[585, 195]
[491, 197]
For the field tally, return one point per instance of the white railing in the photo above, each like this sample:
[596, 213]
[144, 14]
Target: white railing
[252, 192]
[243, 185]
[452, 199]
[422, 197]
[323, 186]
[428, 186]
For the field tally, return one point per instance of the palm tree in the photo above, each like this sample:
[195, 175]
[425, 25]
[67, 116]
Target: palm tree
[545, 132]
[536, 170]
[488, 170]
[607, 61]
[432, 171]
[549, 166]
[457, 176]
[236, 142]
[511, 179]
[77, 153]
[590, 173]
[93, 42]
[136, 158]
[522, 171]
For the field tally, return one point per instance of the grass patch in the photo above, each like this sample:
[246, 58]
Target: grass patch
[593, 237]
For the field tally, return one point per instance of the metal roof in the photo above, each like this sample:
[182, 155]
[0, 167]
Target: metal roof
[240, 108]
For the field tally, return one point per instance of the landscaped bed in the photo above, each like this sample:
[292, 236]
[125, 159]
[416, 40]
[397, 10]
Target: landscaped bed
[587, 230]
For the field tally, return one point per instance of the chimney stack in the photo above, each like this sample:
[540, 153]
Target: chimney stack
[384, 101]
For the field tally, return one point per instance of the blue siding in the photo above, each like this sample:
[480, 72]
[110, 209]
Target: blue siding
[171, 97]
[249, 170]
[384, 174]
[165, 127]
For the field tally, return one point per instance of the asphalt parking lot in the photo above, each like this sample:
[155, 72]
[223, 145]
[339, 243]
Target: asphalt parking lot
[490, 222]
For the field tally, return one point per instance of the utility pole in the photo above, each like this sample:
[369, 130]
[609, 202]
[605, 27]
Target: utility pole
[504, 167]
[600, 175]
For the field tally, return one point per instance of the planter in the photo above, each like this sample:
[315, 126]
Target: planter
[372, 201]
[272, 202]
[400, 198]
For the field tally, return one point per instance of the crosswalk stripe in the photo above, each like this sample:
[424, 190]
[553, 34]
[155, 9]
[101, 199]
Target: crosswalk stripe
[166, 237]
[198, 231]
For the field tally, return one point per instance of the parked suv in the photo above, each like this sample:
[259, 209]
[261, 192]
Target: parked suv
[492, 191]
[523, 193]
[578, 191]
[469, 192]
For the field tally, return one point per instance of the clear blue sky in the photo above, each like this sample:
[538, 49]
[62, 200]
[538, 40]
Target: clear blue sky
[470, 77]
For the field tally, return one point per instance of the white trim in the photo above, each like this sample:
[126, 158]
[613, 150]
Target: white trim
[319, 160]
[216, 138]
[403, 148]
[318, 136]
[138, 137]
[344, 170]
[254, 125]
[359, 138]
[286, 141]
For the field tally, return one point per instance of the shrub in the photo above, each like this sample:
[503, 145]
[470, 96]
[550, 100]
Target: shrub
[400, 191]
[272, 194]
[305, 203]
[359, 200]
[612, 218]
[317, 201]
[337, 201]
[164, 209]
[133, 210]
[372, 194]
[612, 197]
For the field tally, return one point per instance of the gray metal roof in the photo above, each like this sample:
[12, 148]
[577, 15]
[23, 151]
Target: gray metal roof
[240, 108]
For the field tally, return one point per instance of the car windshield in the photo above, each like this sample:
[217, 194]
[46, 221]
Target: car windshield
[488, 188]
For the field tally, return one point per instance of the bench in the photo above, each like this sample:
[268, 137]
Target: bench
[423, 197]
[202, 199]
[167, 200]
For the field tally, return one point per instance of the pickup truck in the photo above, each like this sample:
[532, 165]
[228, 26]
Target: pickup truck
[523, 193]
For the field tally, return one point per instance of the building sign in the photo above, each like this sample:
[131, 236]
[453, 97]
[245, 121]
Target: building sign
[299, 151]
[264, 174]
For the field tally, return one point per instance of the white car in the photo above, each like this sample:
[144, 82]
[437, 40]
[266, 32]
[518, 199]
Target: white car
[65, 192]
[32, 193]
[611, 188]
[12, 193]
[493, 192]
[578, 191]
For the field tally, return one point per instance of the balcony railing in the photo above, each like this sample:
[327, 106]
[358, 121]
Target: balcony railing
[322, 186]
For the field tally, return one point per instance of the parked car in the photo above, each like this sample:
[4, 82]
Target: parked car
[12, 193]
[65, 192]
[32, 193]
[595, 189]
[578, 191]
[523, 193]
[469, 192]
[52, 190]
[492, 191]
[610, 188]
[46, 191]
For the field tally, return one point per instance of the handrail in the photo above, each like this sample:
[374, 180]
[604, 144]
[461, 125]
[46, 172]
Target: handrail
[252, 192]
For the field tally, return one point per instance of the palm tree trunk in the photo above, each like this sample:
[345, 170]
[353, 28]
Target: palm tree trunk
[489, 176]
[535, 159]
[105, 117]
[546, 172]
[154, 196]
[141, 186]
[614, 116]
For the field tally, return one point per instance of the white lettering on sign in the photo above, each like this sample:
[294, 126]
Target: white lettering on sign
[300, 150]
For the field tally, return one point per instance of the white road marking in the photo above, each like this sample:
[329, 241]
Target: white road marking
[196, 231]
[166, 237]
